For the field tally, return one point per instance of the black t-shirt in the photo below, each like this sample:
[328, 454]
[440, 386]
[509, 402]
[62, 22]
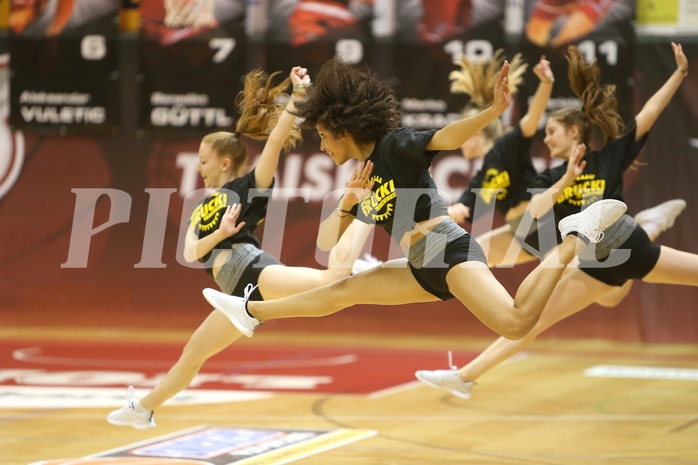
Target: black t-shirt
[602, 177]
[404, 192]
[207, 216]
[507, 167]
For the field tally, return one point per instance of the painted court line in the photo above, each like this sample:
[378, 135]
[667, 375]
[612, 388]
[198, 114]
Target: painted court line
[639, 372]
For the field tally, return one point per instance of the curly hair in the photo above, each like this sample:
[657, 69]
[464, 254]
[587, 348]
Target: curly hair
[259, 104]
[348, 99]
[599, 102]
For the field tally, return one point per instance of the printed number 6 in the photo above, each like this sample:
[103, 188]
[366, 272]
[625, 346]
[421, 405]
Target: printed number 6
[349, 50]
[93, 47]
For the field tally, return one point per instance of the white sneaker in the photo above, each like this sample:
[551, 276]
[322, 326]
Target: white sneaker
[448, 380]
[368, 262]
[132, 414]
[234, 309]
[662, 215]
[593, 220]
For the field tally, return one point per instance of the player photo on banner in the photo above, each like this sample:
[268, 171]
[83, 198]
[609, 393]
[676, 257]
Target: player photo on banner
[433, 35]
[48, 18]
[603, 30]
[191, 60]
[310, 32]
[64, 66]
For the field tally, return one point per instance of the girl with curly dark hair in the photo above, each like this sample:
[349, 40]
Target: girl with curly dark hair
[357, 116]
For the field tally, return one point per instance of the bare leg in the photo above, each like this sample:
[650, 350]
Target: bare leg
[215, 334]
[674, 267]
[654, 221]
[279, 281]
[576, 291]
[471, 282]
[616, 295]
[487, 299]
[390, 284]
[502, 249]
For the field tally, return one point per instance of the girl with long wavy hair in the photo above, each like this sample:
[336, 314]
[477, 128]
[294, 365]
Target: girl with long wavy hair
[625, 251]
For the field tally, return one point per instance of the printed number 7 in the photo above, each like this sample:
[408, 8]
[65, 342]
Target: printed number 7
[224, 47]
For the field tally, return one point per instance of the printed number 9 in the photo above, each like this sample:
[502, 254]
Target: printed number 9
[93, 47]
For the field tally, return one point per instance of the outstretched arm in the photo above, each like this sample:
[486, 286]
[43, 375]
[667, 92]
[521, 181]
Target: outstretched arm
[454, 134]
[541, 203]
[269, 159]
[655, 105]
[529, 122]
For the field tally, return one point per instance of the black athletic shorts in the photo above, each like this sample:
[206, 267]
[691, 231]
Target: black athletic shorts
[251, 275]
[433, 280]
[644, 254]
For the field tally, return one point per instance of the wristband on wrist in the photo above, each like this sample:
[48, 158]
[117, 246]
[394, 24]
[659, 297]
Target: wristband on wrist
[683, 70]
[340, 208]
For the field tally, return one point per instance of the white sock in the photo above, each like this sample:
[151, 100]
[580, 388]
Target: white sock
[138, 408]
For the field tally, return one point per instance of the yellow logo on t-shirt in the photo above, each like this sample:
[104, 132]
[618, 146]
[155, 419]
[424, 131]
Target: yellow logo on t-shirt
[207, 215]
[585, 190]
[378, 205]
[495, 183]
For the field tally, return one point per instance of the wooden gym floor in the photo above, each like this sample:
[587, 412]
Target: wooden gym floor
[542, 407]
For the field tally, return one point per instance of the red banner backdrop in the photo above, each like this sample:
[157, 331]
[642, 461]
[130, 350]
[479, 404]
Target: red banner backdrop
[64, 66]
[190, 60]
[92, 225]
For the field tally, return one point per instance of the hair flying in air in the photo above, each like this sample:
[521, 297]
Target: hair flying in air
[477, 78]
[260, 105]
